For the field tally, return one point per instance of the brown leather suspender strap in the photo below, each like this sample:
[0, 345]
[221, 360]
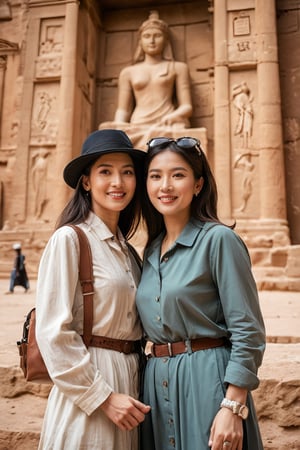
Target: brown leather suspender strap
[86, 281]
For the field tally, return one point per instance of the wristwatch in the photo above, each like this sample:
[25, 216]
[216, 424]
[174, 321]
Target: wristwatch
[237, 408]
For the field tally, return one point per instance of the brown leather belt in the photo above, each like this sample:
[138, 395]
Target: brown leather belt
[119, 345]
[188, 346]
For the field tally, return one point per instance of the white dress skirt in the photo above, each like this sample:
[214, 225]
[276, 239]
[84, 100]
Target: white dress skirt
[67, 427]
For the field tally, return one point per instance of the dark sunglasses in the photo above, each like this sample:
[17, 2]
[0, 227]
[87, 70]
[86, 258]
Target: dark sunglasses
[185, 143]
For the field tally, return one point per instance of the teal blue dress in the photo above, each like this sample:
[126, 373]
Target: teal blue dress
[202, 287]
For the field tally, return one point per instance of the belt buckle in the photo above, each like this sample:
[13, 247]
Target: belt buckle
[188, 346]
[149, 349]
[127, 347]
[170, 349]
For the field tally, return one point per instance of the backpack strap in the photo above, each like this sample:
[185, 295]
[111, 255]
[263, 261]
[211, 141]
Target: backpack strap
[86, 281]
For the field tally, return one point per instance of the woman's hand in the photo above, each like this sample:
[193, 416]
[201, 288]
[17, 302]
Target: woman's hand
[124, 411]
[226, 428]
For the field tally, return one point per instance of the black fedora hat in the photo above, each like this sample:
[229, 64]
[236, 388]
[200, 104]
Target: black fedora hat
[97, 144]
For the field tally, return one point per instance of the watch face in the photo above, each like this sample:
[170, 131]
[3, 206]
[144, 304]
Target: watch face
[243, 413]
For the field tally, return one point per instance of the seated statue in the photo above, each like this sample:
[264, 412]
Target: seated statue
[154, 93]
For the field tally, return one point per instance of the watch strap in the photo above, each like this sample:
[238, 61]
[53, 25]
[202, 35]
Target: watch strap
[236, 407]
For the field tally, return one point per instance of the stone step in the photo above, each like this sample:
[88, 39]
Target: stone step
[24, 405]
[22, 421]
[278, 438]
[277, 397]
[280, 283]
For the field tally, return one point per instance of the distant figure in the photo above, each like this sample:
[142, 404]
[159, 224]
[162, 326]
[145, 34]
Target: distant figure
[18, 276]
[155, 90]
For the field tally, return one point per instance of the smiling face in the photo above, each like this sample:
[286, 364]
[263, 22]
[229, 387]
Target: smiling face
[171, 185]
[111, 184]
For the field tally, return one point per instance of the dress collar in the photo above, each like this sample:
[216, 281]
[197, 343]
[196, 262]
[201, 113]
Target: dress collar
[96, 224]
[186, 238]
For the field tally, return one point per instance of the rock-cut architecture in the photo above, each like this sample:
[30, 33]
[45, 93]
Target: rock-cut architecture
[60, 66]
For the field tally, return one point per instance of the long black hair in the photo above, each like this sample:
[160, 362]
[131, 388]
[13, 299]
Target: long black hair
[203, 206]
[79, 206]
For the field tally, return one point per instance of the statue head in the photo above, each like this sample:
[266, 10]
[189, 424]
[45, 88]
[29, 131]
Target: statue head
[154, 22]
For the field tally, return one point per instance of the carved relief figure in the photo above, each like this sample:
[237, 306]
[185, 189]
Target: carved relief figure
[244, 162]
[39, 172]
[242, 101]
[147, 88]
[43, 110]
[45, 116]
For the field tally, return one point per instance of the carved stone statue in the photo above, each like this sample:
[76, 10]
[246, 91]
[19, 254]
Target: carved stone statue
[154, 96]
[155, 89]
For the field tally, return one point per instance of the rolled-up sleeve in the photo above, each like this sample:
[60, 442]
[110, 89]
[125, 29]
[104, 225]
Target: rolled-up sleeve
[58, 300]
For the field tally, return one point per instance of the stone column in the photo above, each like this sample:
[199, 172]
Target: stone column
[271, 161]
[222, 154]
[67, 100]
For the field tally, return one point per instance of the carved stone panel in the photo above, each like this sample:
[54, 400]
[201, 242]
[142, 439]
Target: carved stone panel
[49, 60]
[241, 36]
[245, 154]
[44, 120]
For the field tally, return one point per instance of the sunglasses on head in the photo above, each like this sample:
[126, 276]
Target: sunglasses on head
[185, 143]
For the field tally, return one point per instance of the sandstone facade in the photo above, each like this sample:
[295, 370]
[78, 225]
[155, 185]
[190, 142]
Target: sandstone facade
[59, 67]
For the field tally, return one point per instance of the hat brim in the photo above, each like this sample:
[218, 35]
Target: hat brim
[74, 169]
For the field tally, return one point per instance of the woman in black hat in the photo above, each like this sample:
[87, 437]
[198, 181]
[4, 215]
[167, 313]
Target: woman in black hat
[93, 403]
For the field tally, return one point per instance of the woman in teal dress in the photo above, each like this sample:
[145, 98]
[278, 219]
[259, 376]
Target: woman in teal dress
[199, 307]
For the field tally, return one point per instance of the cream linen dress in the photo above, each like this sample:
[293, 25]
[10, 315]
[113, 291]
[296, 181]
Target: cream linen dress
[84, 378]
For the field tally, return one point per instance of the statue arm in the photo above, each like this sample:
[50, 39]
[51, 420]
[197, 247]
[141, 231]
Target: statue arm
[183, 95]
[125, 97]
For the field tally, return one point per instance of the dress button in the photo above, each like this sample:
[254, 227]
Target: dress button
[157, 299]
[165, 383]
[158, 318]
[165, 259]
[172, 441]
